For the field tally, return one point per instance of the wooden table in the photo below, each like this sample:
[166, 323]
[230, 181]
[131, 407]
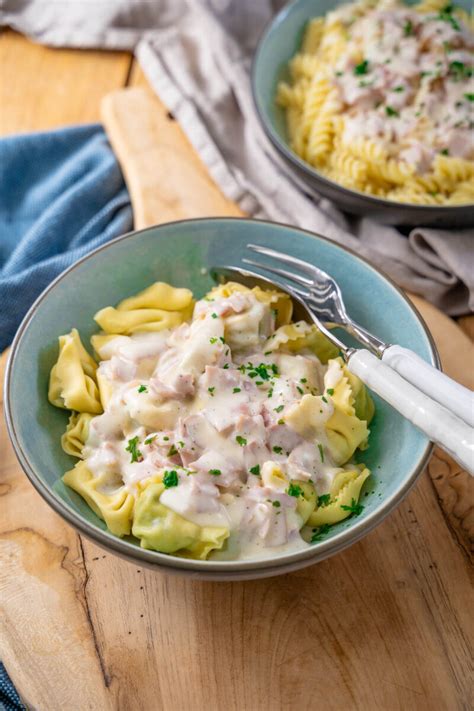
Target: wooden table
[385, 625]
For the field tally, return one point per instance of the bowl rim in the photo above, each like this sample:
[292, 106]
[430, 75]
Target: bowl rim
[133, 552]
[307, 168]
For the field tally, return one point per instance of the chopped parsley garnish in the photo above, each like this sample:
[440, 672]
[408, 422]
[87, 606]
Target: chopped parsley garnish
[267, 353]
[339, 74]
[318, 533]
[149, 440]
[225, 366]
[279, 408]
[330, 391]
[170, 479]
[469, 97]
[214, 315]
[213, 340]
[136, 455]
[355, 508]
[236, 390]
[211, 391]
[391, 111]
[166, 439]
[181, 443]
[408, 28]
[445, 15]
[303, 380]
[323, 399]
[172, 451]
[142, 389]
[277, 450]
[215, 472]
[324, 500]
[222, 339]
[361, 68]
[281, 422]
[276, 504]
[255, 470]
[398, 89]
[300, 390]
[321, 452]
[445, 152]
[459, 70]
[241, 440]
[294, 490]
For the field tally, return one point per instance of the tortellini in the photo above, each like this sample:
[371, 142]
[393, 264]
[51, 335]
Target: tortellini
[345, 490]
[161, 529]
[351, 395]
[158, 307]
[274, 478]
[281, 303]
[345, 434]
[73, 383]
[74, 439]
[306, 501]
[107, 497]
[344, 430]
[295, 337]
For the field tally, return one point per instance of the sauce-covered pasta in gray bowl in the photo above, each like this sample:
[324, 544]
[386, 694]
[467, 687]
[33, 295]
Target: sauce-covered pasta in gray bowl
[203, 428]
[371, 104]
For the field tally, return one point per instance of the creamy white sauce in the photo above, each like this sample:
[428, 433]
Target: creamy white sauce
[208, 402]
[412, 95]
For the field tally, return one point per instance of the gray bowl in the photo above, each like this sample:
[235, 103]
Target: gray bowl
[279, 42]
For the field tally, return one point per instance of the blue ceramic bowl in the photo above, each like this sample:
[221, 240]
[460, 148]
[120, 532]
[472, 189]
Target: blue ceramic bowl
[182, 253]
[280, 41]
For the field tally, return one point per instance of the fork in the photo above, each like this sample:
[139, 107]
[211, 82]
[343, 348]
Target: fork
[323, 295]
[441, 425]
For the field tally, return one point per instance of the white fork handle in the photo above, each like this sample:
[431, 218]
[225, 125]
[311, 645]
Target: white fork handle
[442, 427]
[431, 381]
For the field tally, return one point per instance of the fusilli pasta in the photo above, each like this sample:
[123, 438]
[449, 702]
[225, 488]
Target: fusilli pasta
[380, 100]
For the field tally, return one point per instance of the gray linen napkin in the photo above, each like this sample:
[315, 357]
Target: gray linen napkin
[196, 55]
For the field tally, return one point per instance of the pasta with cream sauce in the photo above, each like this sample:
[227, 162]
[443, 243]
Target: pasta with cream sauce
[217, 429]
[380, 99]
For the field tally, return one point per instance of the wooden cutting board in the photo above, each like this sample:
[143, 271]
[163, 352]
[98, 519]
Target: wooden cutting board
[384, 625]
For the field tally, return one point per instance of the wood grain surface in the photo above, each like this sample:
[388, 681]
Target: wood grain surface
[384, 625]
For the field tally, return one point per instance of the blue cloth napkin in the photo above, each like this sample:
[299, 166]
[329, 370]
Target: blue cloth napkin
[62, 194]
[9, 699]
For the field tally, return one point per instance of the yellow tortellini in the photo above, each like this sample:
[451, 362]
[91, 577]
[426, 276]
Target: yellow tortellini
[72, 383]
[107, 497]
[345, 434]
[100, 340]
[161, 529]
[273, 477]
[345, 490]
[74, 439]
[345, 431]
[351, 395]
[277, 300]
[158, 307]
[295, 337]
[306, 502]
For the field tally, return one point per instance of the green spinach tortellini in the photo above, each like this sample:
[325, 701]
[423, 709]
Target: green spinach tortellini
[161, 529]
